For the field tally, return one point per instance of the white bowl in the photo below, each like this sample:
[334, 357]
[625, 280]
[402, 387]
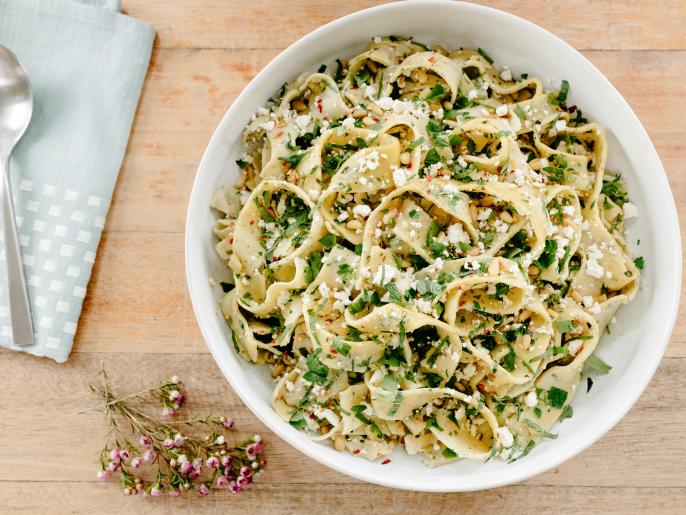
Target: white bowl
[643, 327]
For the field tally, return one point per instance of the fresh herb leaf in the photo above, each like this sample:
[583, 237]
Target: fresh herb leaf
[436, 93]
[485, 55]
[432, 157]
[545, 434]
[598, 365]
[557, 397]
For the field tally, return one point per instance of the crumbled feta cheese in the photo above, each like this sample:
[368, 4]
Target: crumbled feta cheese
[457, 235]
[471, 265]
[424, 306]
[342, 217]
[484, 213]
[560, 125]
[348, 123]
[568, 210]
[362, 210]
[531, 400]
[384, 273]
[630, 210]
[268, 125]
[505, 437]
[313, 194]
[587, 301]
[324, 290]
[506, 74]
[400, 176]
[500, 226]
[472, 94]
[574, 346]
[594, 269]
[501, 110]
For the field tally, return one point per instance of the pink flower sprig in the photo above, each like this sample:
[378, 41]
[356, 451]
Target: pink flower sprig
[153, 456]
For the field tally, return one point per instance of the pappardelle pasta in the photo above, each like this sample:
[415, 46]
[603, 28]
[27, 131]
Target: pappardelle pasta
[425, 250]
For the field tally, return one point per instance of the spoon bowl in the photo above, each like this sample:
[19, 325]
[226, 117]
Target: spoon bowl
[16, 101]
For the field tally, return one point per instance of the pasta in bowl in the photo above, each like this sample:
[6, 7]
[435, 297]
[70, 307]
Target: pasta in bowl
[425, 250]
[306, 240]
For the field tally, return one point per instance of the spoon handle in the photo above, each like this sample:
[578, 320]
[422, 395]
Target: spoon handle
[22, 326]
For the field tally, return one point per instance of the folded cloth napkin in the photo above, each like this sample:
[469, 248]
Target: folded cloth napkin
[87, 63]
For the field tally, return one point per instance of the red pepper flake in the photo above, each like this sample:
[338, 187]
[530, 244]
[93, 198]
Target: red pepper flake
[252, 222]
[432, 59]
[491, 375]
[279, 134]
[333, 351]
[481, 387]
[356, 451]
[319, 105]
[386, 461]
[271, 212]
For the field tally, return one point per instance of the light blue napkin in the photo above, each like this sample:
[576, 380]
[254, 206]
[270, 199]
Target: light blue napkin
[87, 63]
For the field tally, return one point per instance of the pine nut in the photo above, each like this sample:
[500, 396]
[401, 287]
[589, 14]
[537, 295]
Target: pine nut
[405, 158]
[376, 110]
[494, 267]
[354, 225]
[506, 217]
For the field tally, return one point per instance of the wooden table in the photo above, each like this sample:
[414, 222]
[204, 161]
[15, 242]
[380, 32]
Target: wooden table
[138, 317]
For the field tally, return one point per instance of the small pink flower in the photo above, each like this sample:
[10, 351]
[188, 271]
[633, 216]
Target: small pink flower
[155, 491]
[145, 441]
[220, 440]
[245, 471]
[203, 490]
[149, 456]
[228, 423]
[113, 466]
[136, 462]
[168, 443]
[253, 450]
[197, 464]
[226, 460]
[222, 481]
[103, 475]
[124, 454]
[212, 462]
[174, 380]
[179, 440]
[114, 454]
[193, 474]
[182, 458]
[257, 438]
[234, 488]
[242, 482]
[185, 468]
[174, 493]
[168, 412]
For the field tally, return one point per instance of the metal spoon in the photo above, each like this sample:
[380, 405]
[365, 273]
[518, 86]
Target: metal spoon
[16, 107]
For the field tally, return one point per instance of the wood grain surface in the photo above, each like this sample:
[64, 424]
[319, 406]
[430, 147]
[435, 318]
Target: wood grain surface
[138, 319]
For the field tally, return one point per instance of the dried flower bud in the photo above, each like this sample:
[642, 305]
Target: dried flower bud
[222, 481]
[203, 490]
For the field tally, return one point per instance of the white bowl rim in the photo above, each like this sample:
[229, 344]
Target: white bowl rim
[297, 440]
